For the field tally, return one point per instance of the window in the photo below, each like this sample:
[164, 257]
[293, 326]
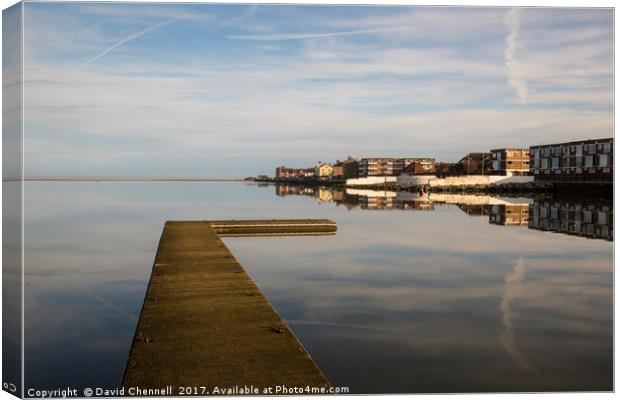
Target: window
[544, 163]
[555, 163]
[589, 161]
[602, 160]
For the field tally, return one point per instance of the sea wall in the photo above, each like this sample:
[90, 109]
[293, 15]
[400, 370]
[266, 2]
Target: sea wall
[471, 199]
[414, 180]
[401, 180]
[371, 193]
[471, 180]
[433, 181]
[372, 180]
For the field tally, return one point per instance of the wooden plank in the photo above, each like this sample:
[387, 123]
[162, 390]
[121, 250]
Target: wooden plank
[205, 323]
[290, 227]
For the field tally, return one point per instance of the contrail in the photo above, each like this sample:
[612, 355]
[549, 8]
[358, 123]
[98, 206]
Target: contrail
[129, 38]
[507, 339]
[302, 36]
[335, 324]
[110, 305]
[248, 13]
[513, 21]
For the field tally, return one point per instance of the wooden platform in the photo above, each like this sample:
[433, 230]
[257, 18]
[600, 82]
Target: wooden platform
[205, 323]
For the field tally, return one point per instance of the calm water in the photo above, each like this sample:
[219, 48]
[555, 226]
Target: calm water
[411, 295]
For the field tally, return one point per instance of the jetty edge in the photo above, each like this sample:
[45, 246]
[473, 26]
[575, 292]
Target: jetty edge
[205, 326]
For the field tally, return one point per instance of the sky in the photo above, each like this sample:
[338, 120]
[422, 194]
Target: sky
[199, 90]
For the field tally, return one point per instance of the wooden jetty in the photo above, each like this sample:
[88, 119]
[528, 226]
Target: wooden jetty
[205, 324]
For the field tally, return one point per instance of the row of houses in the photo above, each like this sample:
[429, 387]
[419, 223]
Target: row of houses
[339, 170]
[365, 167]
[587, 160]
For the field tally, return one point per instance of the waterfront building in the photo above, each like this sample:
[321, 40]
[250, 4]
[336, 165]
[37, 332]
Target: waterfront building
[338, 170]
[510, 162]
[294, 173]
[350, 168]
[589, 219]
[323, 170]
[474, 164]
[443, 169]
[385, 166]
[579, 161]
[282, 172]
[509, 214]
[419, 168]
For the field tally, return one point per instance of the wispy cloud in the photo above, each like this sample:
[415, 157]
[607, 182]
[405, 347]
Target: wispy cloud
[130, 38]
[303, 36]
[436, 77]
[513, 22]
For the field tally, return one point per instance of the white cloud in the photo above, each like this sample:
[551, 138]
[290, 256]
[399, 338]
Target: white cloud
[330, 97]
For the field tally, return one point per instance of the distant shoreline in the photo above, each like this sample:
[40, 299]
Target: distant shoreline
[124, 180]
[536, 187]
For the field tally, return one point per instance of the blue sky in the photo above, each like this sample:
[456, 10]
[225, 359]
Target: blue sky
[235, 90]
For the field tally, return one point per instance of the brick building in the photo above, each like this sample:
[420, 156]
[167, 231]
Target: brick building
[510, 162]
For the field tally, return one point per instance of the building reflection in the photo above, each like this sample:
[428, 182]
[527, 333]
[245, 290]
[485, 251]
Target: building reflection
[356, 198]
[586, 218]
[386, 200]
[475, 209]
[289, 190]
[509, 214]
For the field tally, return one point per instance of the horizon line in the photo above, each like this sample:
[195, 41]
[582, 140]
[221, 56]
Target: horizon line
[118, 178]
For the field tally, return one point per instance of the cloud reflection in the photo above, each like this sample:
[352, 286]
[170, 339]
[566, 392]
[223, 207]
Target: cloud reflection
[507, 339]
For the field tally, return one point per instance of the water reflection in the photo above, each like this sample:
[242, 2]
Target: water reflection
[396, 302]
[591, 218]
